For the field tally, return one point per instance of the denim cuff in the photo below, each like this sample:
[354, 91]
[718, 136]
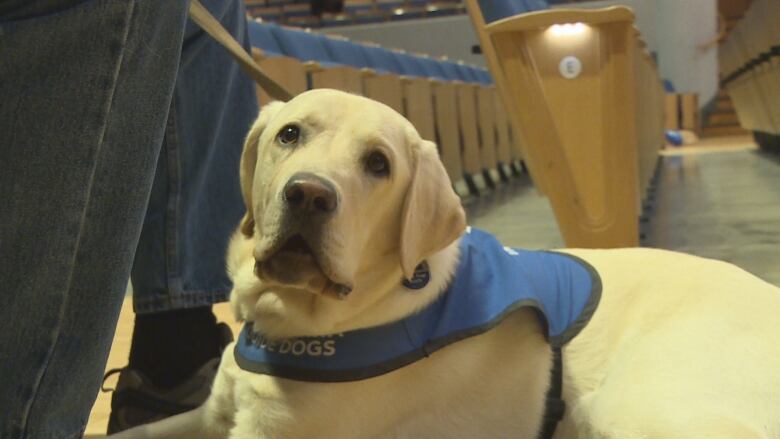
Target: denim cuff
[181, 300]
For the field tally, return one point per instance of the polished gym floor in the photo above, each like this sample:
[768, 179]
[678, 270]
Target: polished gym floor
[722, 205]
[716, 199]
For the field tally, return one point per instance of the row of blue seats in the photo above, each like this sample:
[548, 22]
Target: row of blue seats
[494, 10]
[275, 40]
[299, 14]
[363, 13]
[353, 16]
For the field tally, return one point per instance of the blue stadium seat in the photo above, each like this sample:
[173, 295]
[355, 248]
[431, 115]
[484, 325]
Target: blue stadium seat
[470, 73]
[409, 65]
[346, 52]
[494, 10]
[458, 71]
[302, 45]
[483, 75]
[537, 5]
[433, 69]
[381, 59]
[450, 70]
[260, 36]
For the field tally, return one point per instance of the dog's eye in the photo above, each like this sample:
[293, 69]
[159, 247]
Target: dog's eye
[377, 164]
[289, 134]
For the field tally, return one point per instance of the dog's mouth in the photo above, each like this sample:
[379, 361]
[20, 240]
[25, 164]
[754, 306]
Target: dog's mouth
[295, 264]
[296, 245]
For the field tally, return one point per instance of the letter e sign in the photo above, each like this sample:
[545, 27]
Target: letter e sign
[570, 67]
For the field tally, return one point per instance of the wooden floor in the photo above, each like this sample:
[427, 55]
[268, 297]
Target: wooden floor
[717, 198]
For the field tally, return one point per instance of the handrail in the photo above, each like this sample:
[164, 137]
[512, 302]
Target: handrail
[722, 34]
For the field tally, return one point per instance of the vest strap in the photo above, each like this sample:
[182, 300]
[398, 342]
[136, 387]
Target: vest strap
[555, 406]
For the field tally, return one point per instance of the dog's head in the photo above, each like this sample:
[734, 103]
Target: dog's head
[341, 192]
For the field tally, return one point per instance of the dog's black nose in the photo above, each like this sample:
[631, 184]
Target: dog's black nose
[307, 192]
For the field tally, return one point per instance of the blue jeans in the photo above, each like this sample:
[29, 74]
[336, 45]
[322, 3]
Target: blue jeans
[196, 200]
[107, 106]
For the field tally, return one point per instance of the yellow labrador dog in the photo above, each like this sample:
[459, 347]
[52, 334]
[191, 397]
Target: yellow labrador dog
[345, 201]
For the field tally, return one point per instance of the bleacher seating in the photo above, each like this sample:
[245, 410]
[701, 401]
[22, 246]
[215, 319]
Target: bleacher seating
[493, 10]
[750, 65]
[590, 127]
[297, 12]
[449, 102]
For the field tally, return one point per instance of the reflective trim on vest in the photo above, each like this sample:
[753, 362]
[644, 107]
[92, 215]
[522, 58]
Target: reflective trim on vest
[491, 282]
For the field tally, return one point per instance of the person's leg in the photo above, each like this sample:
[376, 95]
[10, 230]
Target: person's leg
[85, 89]
[179, 268]
[196, 202]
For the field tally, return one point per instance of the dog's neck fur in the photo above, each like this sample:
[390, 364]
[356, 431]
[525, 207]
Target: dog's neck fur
[394, 301]
[387, 301]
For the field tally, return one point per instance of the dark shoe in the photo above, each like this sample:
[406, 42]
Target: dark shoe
[137, 401]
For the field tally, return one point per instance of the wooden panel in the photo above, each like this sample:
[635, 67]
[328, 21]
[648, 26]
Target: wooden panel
[506, 142]
[753, 106]
[446, 113]
[535, 162]
[387, 89]
[650, 117]
[672, 106]
[577, 191]
[352, 80]
[487, 128]
[418, 106]
[475, 158]
[288, 72]
[760, 34]
[733, 9]
[739, 93]
[580, 134]
[571, 100]
[327, 78]
[342, 78]
[690, 111]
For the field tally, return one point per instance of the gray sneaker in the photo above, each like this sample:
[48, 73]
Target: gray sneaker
[137, 401]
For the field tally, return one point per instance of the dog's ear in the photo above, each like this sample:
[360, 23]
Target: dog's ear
[433, 216]
[249, 162]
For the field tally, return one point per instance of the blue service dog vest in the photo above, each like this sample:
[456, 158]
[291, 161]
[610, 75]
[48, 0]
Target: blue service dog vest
[491, 282]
